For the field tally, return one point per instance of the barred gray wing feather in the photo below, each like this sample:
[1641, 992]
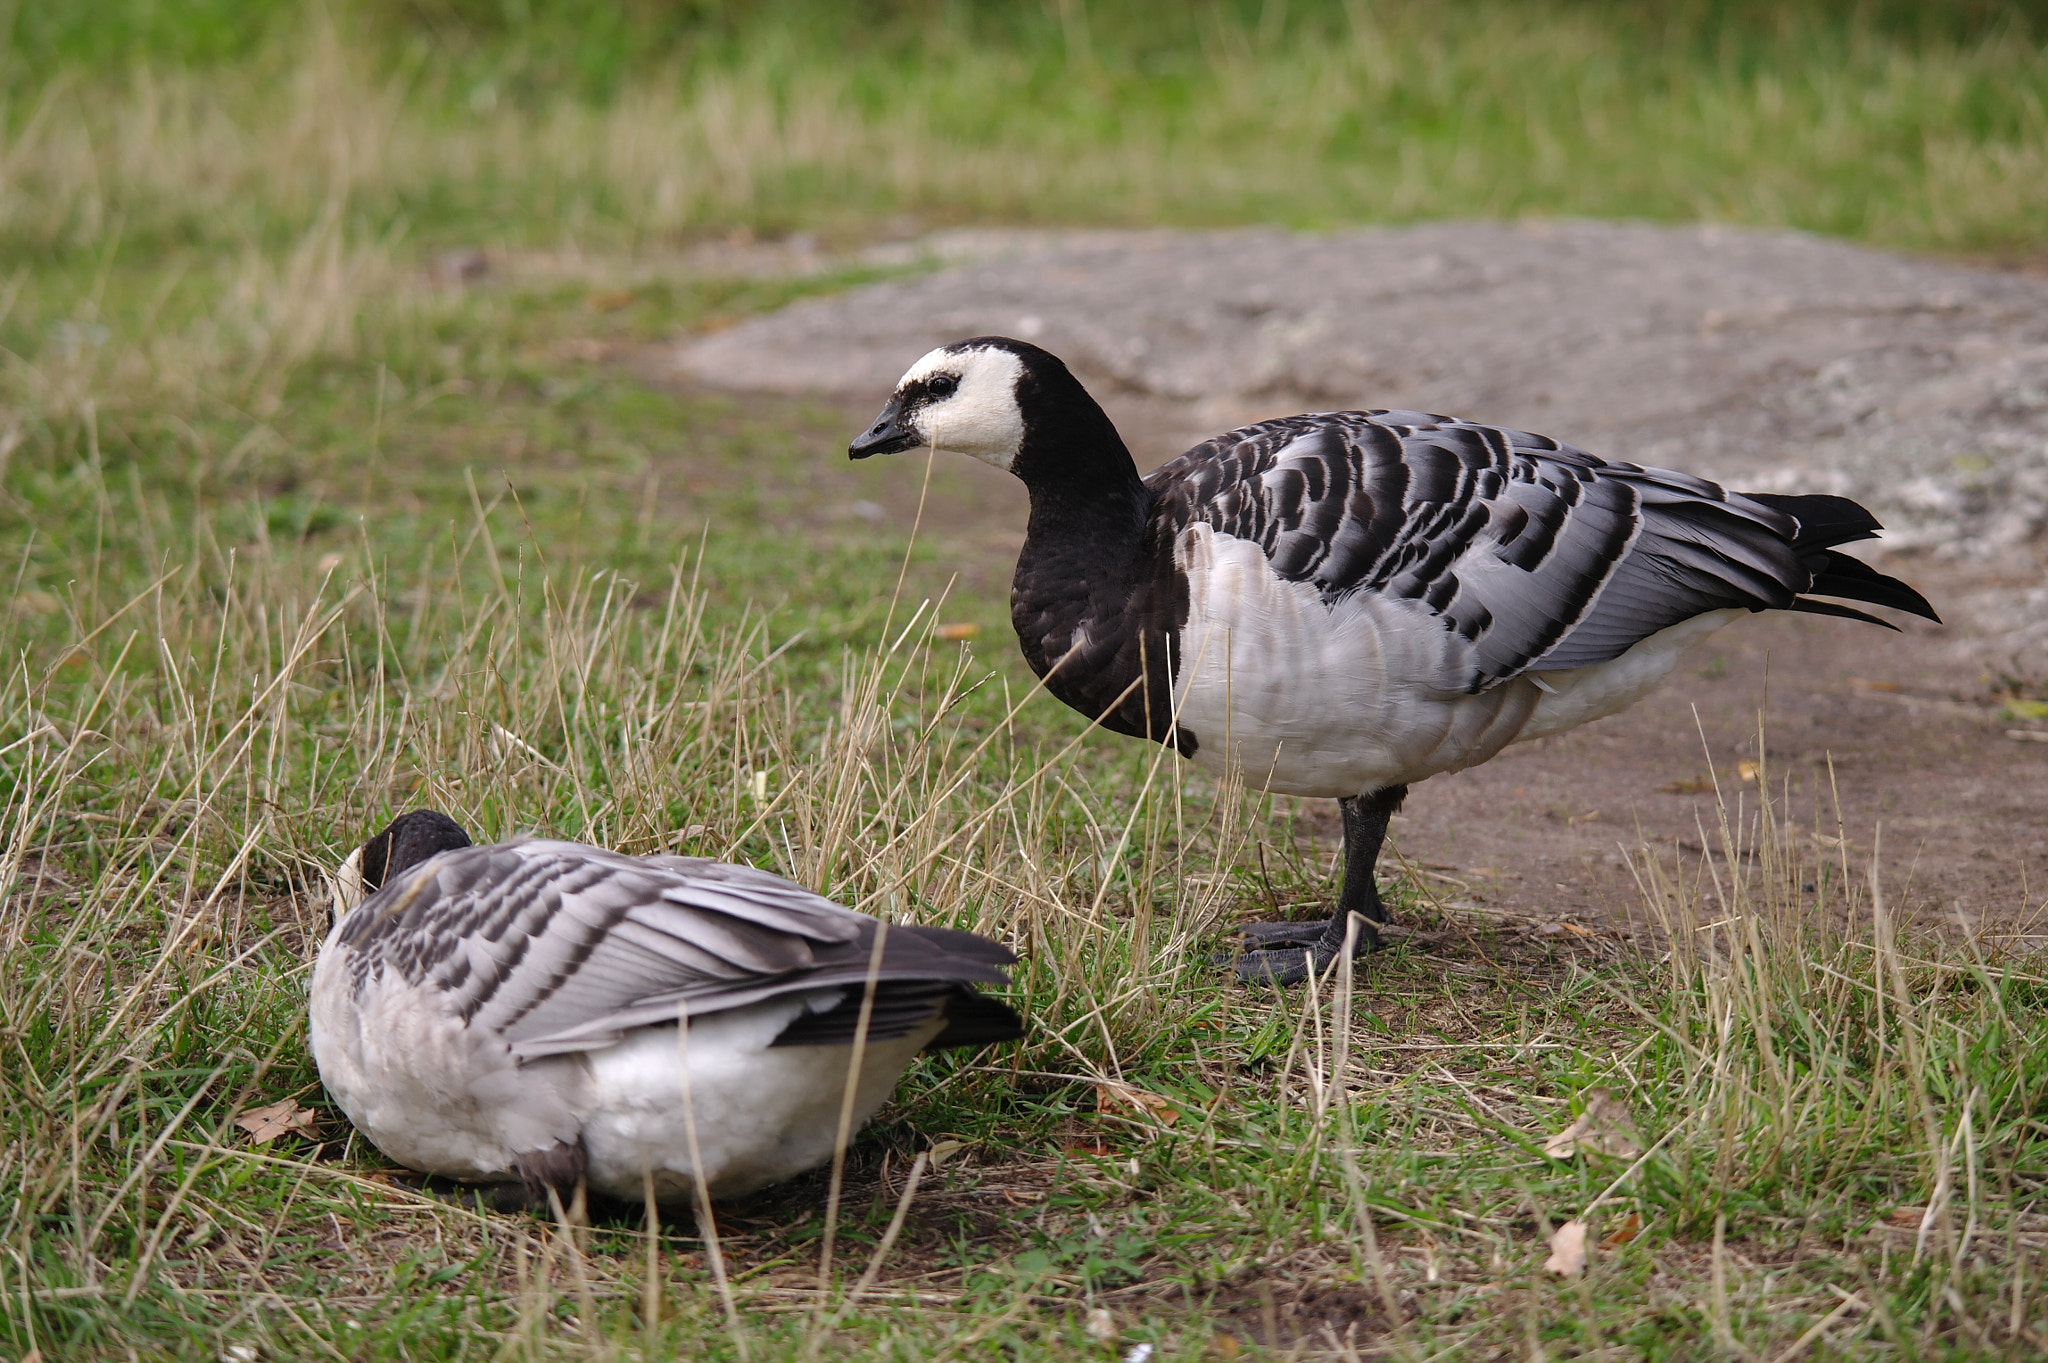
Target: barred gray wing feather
[560, 947]
[1530, 553]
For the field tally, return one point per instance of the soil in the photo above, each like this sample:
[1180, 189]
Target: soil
[1769, 360]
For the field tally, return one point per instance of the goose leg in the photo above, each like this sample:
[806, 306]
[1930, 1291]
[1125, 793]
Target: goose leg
[1284, 953]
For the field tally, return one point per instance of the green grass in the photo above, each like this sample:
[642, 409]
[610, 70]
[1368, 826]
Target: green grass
[298, 537]
[269, 596]
[146, 130]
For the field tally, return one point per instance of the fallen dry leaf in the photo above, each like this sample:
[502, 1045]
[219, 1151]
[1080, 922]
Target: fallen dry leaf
[954, 633]
[1696, 786]
[1553, 928]
[1623, 1233]
[942, 1151]
[1567, 1250]
[1110, 1095]
[1225, 1345]
[1747, 770]
[1908, 1218]
[1101, 1325]
[1865, 684]
[1604, 1128]
[283, 1118]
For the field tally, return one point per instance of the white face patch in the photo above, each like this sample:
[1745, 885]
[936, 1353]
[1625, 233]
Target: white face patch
[980, 418]
[345, 890]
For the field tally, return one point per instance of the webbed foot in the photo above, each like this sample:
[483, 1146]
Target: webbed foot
[1284, 934]
[1285, 953]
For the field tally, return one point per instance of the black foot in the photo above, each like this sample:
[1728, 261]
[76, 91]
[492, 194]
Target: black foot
[1269, 939]
[1285, 934]
[1285, 953]
[1287, 965]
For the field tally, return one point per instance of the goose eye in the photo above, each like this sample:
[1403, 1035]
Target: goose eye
[941, 385]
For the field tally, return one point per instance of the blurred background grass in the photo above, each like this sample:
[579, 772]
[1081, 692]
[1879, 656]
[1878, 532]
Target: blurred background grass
[145, 126]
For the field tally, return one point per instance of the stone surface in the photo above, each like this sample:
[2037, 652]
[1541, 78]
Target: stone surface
[1774, 360]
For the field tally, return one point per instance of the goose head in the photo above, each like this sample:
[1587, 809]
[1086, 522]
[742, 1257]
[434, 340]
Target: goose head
[964, 398]
[1011, 405]
[407, 841]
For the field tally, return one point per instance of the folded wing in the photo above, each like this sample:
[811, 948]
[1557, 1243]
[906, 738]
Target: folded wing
[1528, 554]
[560, 947]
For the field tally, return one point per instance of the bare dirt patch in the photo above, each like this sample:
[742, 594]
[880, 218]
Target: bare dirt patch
[1770, 360]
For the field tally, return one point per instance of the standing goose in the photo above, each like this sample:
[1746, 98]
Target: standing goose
[510, 1012]
[1343, 603]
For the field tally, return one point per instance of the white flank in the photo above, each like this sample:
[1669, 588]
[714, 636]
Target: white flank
[981, 418]
[1309, 699]
[436, 1094]
[430, 1091]
[1581, 694]
[1315, 700]
[764, 1113]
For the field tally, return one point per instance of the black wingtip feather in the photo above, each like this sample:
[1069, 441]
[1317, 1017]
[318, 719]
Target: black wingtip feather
[923, 971]
[900, 1008]
[975, 1019]
[971, 945]
[1824, 521]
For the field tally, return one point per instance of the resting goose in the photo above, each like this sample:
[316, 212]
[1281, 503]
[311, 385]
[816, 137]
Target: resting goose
[1344, 603]
[510, 1012]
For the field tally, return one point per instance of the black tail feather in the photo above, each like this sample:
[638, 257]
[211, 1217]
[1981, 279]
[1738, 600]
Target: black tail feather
[1824, 522]
[1812, 607]
[1854, 580]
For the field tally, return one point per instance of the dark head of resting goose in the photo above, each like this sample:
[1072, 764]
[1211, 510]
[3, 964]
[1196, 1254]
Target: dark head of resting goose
[1344, 603]
[511, 1012]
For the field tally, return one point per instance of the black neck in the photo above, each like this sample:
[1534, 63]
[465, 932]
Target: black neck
[408, 840]
[1107, 522]
[1084, 486]
[1096, 603]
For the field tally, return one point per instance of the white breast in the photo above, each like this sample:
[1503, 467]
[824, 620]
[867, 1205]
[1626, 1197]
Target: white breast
[429, 1090]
